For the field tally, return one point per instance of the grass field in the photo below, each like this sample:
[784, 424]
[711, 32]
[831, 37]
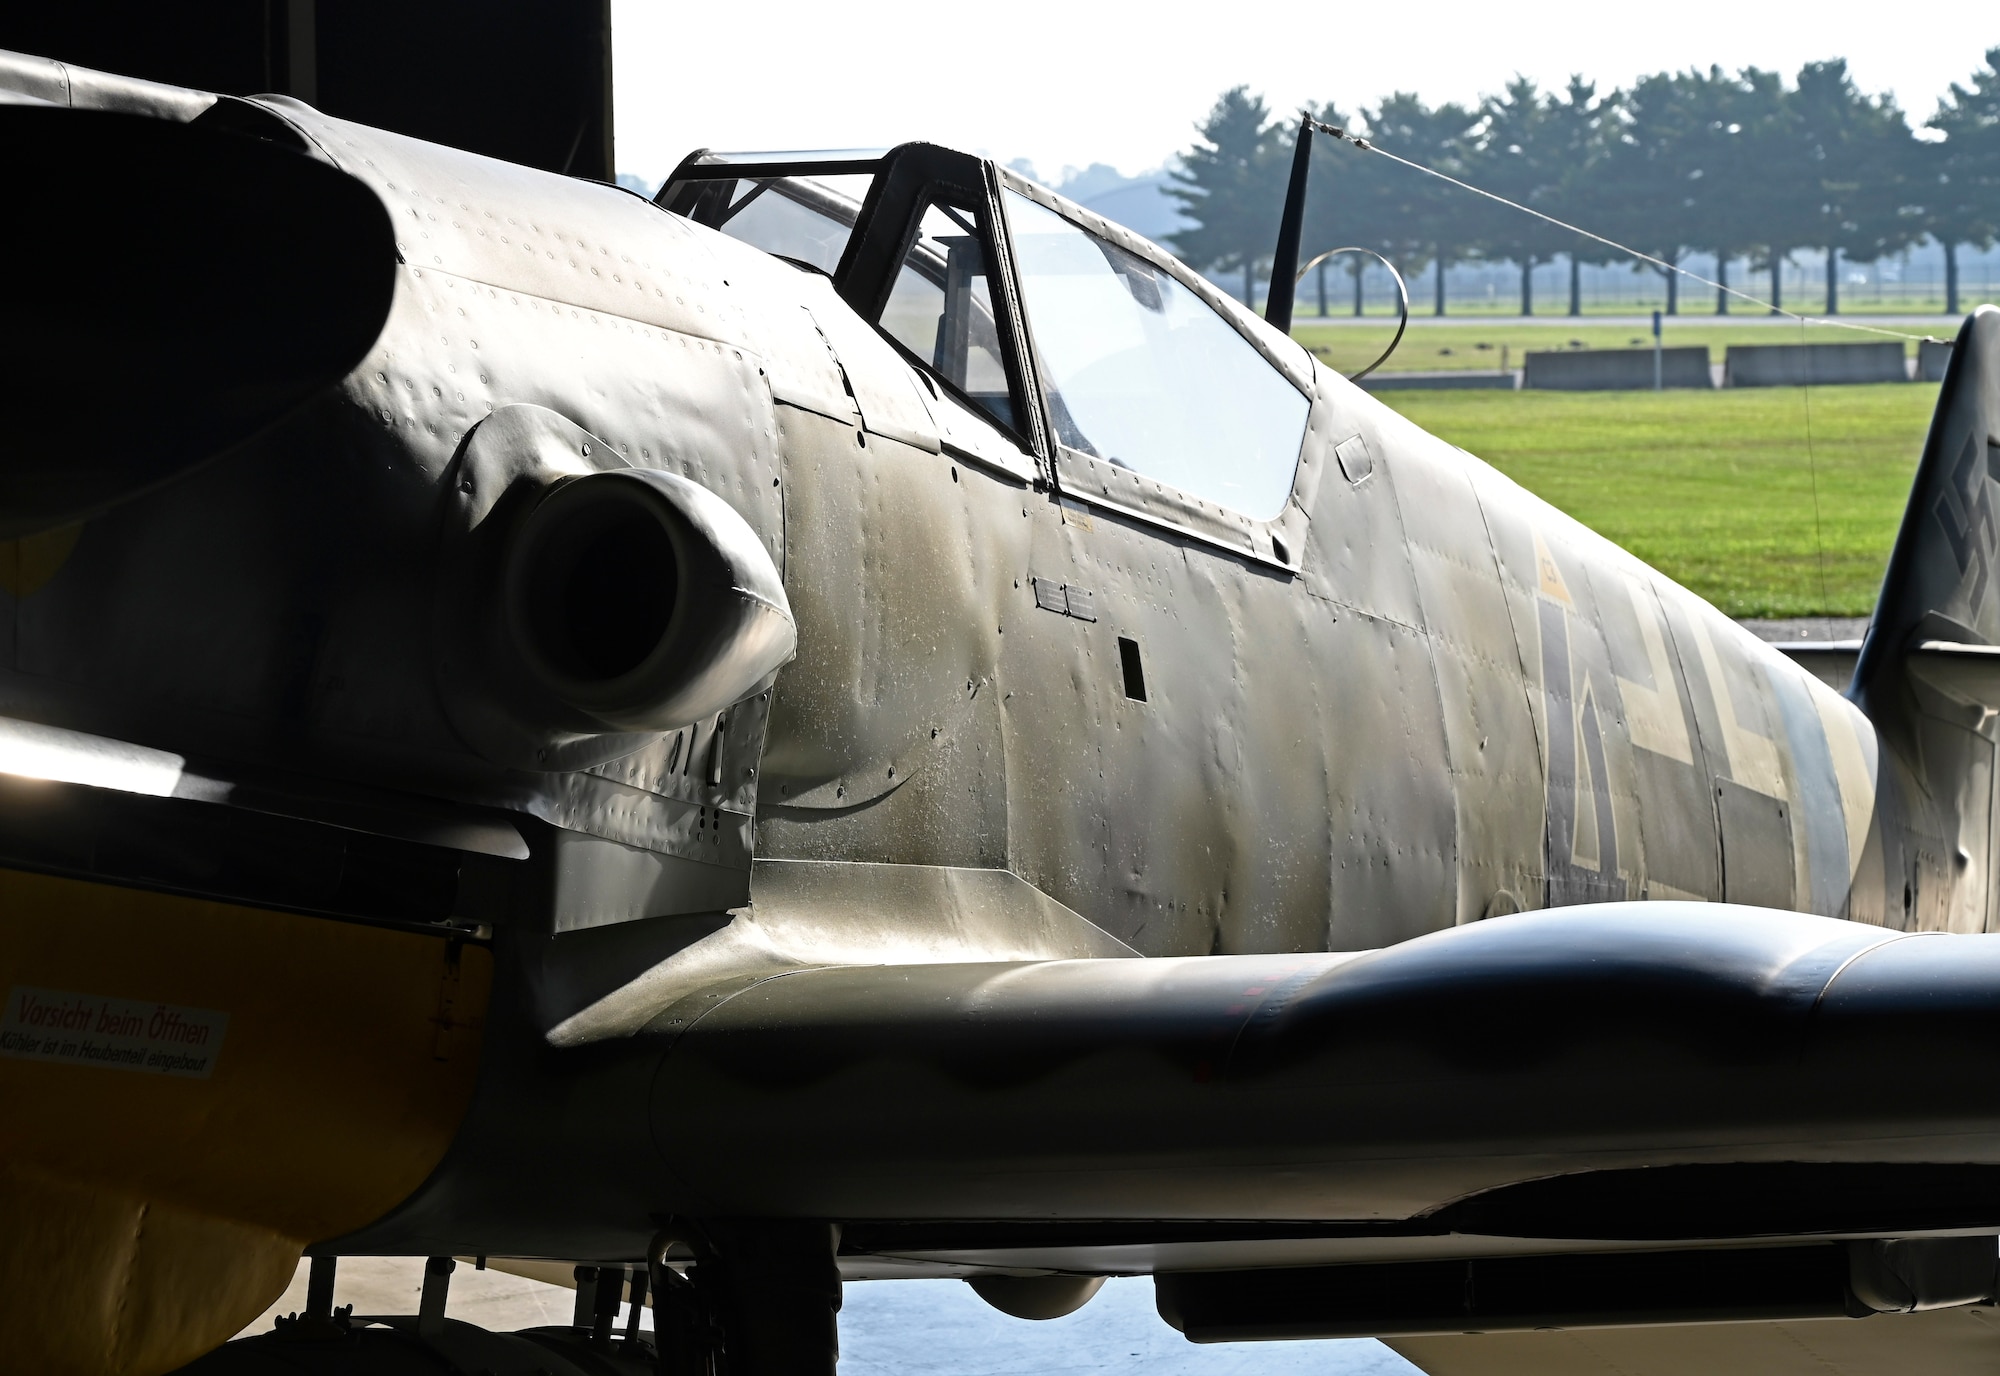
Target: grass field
[1430, 345]
[1696, 302]
[1716, 489]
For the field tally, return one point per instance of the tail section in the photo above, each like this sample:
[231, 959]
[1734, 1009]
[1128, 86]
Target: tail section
[1940, 602]
[1928, 675]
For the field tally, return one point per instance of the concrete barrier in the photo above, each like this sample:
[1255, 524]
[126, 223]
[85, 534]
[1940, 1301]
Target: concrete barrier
[1616, 370]
[1932, 355]
[1820, 365]
[1441, 381]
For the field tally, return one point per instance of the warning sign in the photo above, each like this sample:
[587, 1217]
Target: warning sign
[120, 1034]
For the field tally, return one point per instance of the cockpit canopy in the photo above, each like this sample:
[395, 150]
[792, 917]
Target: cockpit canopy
[799, 206]
[1140, 384]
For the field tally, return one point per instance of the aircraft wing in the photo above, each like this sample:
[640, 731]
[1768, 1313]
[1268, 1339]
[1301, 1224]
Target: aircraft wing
[1588, 1117]
[1964, 673]
[1623, 1072]
[1829, 661]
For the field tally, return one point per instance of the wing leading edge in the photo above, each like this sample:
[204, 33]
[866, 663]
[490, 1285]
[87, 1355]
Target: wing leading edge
[1735, 1122]
[1409, 1087]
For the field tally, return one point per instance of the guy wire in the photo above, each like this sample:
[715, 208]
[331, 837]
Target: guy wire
[1812, 457]
[1812, 472]
[1369, 146]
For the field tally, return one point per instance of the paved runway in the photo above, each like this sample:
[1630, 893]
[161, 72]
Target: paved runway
[904, 1328]
[1807, 628]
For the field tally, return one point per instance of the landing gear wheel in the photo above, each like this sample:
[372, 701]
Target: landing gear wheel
[761, 1299]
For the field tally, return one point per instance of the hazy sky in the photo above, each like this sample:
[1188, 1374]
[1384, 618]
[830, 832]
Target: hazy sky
[1077, 81]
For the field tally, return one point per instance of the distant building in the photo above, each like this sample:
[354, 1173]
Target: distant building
[1141, 203]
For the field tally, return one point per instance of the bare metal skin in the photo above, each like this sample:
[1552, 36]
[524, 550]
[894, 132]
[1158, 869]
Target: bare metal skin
[904, 843]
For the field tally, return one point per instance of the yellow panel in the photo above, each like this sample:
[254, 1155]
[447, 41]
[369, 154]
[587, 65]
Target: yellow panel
[342, 1073]
[93, 1282]
[31, 561]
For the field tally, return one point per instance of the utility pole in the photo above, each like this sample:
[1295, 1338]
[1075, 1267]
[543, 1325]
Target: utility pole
[1656, 351]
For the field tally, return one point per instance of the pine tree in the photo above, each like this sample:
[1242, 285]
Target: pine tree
[1733, 164]
[1423, 219]
[1359, 199]
[1674, 180]
[1856, 152]
[1540, 151]
[1961, 174]
[1232, 185]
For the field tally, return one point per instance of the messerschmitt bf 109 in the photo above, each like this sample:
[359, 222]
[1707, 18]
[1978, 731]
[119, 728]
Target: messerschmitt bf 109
[859, 720]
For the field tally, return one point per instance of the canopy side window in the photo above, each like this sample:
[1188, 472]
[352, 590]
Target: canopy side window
[940, 306]
[914, 242]
[929, 266]
[1143, 375]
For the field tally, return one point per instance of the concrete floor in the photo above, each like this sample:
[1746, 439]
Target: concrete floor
[901, 1328]
[1807, 628]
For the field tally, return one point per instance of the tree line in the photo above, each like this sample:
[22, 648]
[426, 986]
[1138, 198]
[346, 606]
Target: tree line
[1740, 165]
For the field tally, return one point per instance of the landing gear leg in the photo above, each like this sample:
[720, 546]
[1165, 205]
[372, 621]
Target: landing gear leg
[762, 1299]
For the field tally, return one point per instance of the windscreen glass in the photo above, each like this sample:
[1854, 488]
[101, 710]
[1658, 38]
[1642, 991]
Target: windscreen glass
[1143, 374]
[769, 156]
[941, 308]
